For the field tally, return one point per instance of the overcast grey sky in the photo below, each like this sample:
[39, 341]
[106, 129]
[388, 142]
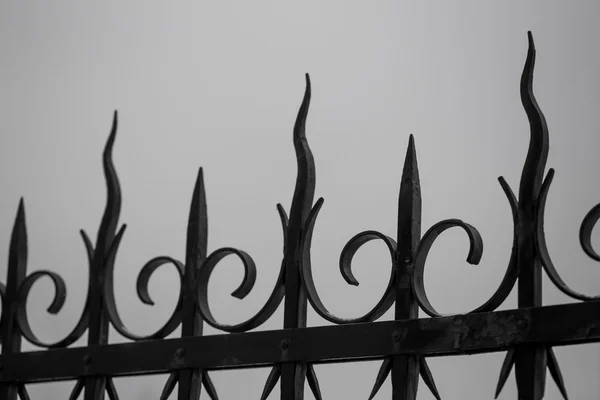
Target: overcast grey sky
[218, 84]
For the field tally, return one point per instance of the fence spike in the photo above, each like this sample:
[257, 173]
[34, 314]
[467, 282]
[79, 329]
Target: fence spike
[428, 377]
[272, 380]
[313, 382]
[555, 373]
[111, 389]
[530, 361]
[384, 371]
[209, 386]
[290, 351]
[509, 361]
[17, 270]
[23, 393]
[77, 389]
[169, 385]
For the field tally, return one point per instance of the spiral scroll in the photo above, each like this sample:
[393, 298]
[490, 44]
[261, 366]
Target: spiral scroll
[101, 263]
[585, 233]
[303, 189]
[109, 241]
[474, 257]
[241, 292]
[295, 284]
[346, 256]
[244, 288]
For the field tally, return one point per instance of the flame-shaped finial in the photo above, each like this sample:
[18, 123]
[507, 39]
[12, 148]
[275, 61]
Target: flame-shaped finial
[537, 155]
[110, 219]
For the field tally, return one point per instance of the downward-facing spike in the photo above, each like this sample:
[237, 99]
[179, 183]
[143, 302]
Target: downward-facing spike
[169, 386]
[272, 379]
[428, 377]
[77, 389]
[313, 382]
[111, 390]
[209, 386]
[507, 366]
[383, 373]
[23, 394]
[556, 374]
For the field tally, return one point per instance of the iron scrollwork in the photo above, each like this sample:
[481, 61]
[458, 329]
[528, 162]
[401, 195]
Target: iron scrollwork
[405, 290]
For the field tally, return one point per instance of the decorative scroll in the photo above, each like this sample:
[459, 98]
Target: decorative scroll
[529, 250]
[295, 286]
[474, 256]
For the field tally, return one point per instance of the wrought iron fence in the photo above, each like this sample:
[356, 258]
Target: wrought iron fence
[527, 334]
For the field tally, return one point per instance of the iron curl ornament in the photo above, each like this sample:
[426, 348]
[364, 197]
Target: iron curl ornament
[295, 286]
[100, 308]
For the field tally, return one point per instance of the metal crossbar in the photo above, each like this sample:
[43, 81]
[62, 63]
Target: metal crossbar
[527, 334]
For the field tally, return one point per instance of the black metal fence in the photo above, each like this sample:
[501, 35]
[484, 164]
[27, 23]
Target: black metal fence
[526, 334]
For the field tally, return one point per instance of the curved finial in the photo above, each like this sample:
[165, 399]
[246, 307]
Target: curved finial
[530, 39]
[306, 177]
[537, 155]
[300, 125]
[108, 226]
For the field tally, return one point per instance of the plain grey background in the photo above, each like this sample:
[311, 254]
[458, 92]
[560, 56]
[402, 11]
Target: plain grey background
[218, 84]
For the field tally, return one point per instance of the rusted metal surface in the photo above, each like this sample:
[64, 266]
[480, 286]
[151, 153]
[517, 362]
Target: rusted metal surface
[527, 334]
[428, 337]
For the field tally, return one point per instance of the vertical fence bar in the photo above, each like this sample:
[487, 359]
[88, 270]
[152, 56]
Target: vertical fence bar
[99, 324]
[293, 374]
[99, 321]
[17, 270]
[530, 361]
[405, 369]
[190, 381]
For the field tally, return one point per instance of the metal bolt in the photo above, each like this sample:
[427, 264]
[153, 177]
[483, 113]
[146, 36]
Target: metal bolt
[396, 336]
[591, 329]
[180, 352]
[87, 359]
[285, 343]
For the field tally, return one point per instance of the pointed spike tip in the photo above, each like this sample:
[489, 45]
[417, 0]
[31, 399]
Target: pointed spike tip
[20, 218]
[410, 168]
[200, 176]
[308, 85]
[21, 208]
[115, 120]
[299, 125]
[530, 40]
[199, 193]
[111, 137]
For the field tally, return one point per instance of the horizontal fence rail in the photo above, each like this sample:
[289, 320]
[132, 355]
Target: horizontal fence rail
[432, 337]
[527, 334]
